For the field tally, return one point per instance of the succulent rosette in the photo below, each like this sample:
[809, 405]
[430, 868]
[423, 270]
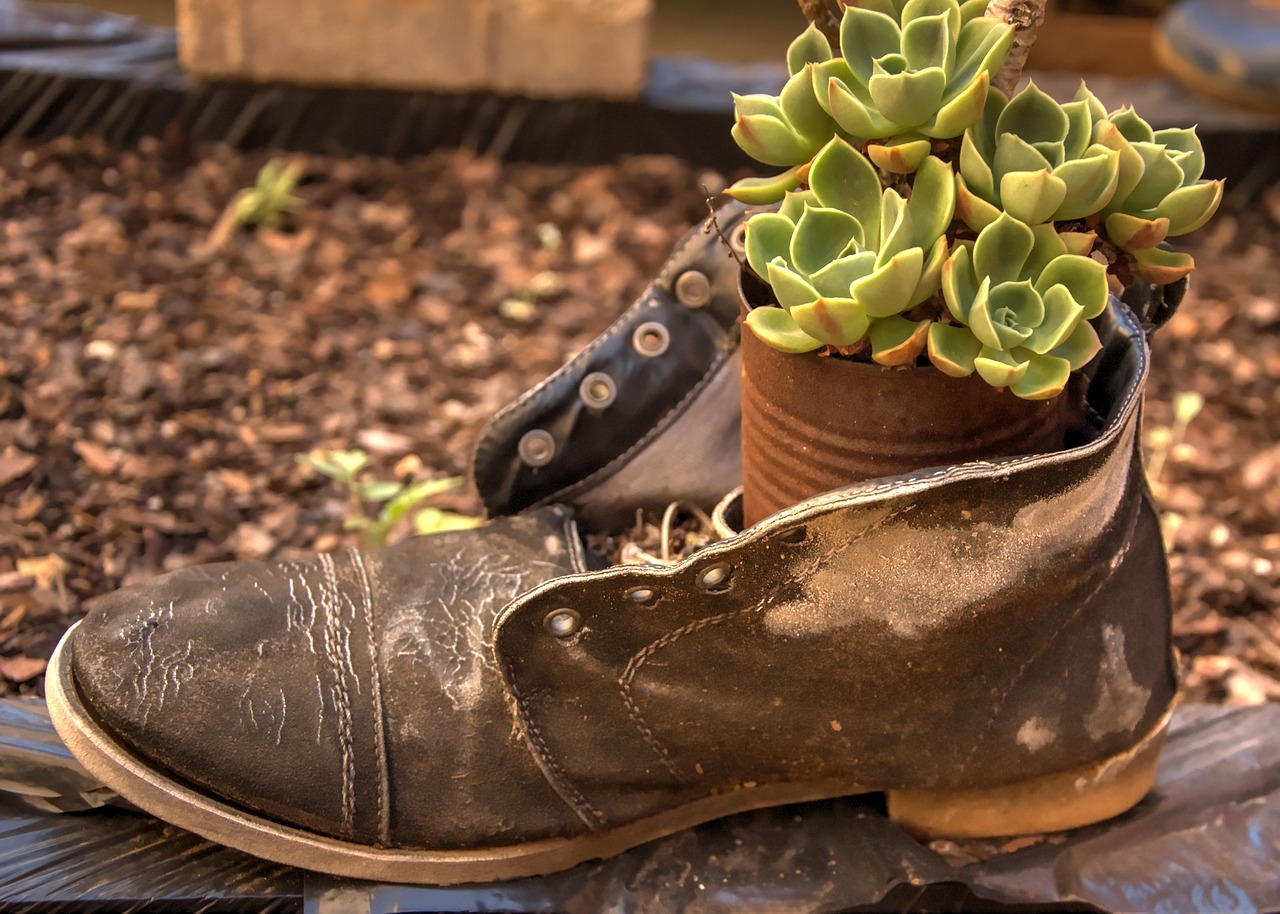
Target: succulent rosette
[1022, 302]
[908, 78]
[846, 259]
[1159, 194]
[787, 129]
[1035, 160]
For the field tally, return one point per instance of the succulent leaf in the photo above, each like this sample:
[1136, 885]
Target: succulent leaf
[887, 290]
[1079, 129]
[1002, 248]
[999, 368]
[778, 329]
[852, 114]
[931, 274]
[1034, 117]
[959, 286]
[1045, 378]
[972, 209]
[927, 42]
[933, 201]
[904, 96]
[790, 288]
[1131, 127]
[759, 191]
[795, 203]
[1090, 181]
[952, 349]
[810, 46]
[822, 75]
[1047, 246]
[1190, 207]
[1079, 243]
[834, 321]
[897, 341]
[1032, 197]
[806, 116]
[837, 278]
[768, 238]
[843, 179]
[1160, 266]
[1134, 233]
[1084, 278]
[896, 226]
[1079, 348]
[821, 236]
[1161, 175]
[767, 139]
[961, 109]
[900, 156]
[1191, 160]
[866, 36]
[1061, 315]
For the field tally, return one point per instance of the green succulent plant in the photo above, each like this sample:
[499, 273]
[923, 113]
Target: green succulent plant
[924, 213]
[846, 258]
[1035, 160]
[1022, 302]
[908, 78]
[1159, 193]
[911, 71]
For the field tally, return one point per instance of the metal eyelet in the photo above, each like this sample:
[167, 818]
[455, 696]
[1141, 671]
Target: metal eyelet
[795, 535]
[536, 447]
[597, 390]
[651, 339]
[642, 596]
[563, 622]
[716, 578]
[738, 239]
[693, 289]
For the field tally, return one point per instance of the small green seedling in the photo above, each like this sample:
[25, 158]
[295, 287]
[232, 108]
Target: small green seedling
[1163, 441]
[271, 195]
[377, 506]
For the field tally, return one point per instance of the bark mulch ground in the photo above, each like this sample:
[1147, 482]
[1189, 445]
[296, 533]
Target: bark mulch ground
[155, 389]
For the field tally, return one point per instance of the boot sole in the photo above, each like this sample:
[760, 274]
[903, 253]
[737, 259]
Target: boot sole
[1095, 792]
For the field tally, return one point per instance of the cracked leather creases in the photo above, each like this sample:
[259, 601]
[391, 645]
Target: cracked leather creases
[1196, 843]
[321, 688]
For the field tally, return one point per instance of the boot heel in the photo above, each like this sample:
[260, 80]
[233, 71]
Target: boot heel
[1054, 802]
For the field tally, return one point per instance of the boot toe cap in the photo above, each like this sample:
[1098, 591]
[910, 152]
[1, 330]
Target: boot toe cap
[211, 677]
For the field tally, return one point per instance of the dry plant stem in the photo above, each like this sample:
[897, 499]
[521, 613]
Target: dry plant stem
[222, 230]
[819, 12]
[1026, 16]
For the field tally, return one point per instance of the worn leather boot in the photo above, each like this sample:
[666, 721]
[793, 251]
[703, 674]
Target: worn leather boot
[988, 643]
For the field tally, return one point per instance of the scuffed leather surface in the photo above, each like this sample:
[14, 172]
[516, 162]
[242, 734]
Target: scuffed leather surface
[345, 695]
[591, 445]
[971, 626]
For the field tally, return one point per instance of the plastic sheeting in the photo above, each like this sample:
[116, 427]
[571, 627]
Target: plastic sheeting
[1206, 839]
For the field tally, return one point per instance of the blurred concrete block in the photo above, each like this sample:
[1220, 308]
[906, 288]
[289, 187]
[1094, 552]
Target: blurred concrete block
[566, 48]
[402, 44]
[537, 48]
